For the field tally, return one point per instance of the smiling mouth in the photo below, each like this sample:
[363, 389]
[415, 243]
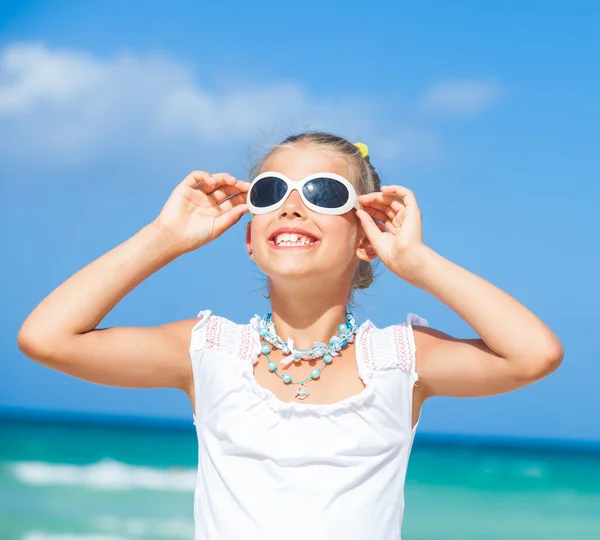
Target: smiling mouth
[293, 240]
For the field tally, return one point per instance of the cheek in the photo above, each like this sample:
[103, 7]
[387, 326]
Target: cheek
[258, 228]
[340, 233]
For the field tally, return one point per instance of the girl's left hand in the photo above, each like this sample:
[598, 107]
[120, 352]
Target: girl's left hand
[397, 208]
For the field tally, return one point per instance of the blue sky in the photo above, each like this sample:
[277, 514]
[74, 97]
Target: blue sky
[490, 114]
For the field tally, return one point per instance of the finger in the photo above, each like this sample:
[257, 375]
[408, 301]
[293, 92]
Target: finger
[377, 214]
[223, 180]
[230, 218]
[370, 227]
[380, 196]
[196, 178]
[387, 210]
[220, 194]
[223, 192]
[410, 202]
[242, 185]
[382, 225]
[398, 219]
[231, 201]
[389, 227]
[226, 177]
[207, 183]
[395, 204]
[382, 199]
[407, 195]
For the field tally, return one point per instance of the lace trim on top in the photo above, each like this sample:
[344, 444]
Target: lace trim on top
[391, 347]
[222, 335]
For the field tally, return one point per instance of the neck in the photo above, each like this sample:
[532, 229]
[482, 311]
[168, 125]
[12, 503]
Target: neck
[308, 313]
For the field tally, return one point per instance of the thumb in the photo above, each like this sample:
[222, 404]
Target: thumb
[371, 230]
[230, 218]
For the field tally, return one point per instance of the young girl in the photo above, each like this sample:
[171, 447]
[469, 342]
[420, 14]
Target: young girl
[305, 421]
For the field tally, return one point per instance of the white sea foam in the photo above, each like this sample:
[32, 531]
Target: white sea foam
[533, 472]
[105, 475]
[41, 535]
[138, 527]
[114, 528]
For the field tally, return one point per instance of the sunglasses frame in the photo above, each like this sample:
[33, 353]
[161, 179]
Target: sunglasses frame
[298, 185]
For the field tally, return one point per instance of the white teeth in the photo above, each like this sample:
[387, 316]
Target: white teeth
[293, 239]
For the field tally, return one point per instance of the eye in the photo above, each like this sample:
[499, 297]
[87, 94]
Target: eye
[326, 192]
[267, 191]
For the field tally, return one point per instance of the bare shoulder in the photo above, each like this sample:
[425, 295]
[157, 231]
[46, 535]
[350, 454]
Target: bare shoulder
[427, 337]
[180, 332]
[435, 348]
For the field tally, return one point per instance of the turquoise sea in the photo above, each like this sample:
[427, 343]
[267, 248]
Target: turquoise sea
[79, 482]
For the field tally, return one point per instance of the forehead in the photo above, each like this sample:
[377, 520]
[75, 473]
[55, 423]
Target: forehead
[297, 163]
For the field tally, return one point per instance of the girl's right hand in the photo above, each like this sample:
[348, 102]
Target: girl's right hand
[196, 211]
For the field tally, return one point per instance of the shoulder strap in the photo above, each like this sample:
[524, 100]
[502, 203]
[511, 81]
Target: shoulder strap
[198, 337]
[219, 334]
[391, 347]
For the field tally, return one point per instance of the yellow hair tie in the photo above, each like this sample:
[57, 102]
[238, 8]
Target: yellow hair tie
[364, 149]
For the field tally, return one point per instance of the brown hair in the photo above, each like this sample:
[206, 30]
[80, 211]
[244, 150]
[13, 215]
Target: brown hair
[362, 175]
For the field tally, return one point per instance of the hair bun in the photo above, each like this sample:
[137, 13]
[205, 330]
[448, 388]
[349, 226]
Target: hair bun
[364, 149]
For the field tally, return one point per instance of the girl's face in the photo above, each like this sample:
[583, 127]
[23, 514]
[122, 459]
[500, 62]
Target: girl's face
[294, 242]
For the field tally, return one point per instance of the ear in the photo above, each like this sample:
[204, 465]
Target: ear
[365, 251]
[249, 239]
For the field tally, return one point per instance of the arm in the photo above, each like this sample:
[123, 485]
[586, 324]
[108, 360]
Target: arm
[515, 348]
[61, 331]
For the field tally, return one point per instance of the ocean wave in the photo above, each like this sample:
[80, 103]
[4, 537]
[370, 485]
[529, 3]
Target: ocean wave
[142, 527]
[525, 469]
[41, 535]
[107, 474]
[115, 528]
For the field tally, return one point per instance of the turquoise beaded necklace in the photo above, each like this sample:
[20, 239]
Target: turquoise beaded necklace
[345, 335]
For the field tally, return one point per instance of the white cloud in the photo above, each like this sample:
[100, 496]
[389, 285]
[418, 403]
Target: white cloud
[73, 107]
[70, 103]
[460, 97]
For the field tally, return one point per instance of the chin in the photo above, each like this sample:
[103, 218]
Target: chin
[291, 270]
[318, 276]
[302, 264]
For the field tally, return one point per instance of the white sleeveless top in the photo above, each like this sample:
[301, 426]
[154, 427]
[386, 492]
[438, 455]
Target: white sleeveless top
[271, 470]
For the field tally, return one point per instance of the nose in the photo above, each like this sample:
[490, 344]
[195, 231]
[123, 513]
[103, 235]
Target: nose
[293, 207]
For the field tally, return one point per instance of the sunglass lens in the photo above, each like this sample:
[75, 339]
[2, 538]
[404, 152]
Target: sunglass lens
[267, 191]
[326, 192]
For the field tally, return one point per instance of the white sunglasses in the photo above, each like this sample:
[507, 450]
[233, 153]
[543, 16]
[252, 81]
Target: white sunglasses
[324, 192]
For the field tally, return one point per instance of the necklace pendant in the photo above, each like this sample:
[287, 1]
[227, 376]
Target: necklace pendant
[302, 392]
